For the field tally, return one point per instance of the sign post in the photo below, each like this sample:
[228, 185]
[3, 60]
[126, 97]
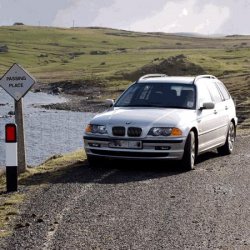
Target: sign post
[17, 82]
[22, 165]
[11, 157]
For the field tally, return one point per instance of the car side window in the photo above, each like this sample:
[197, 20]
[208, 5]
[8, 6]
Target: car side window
[203, 94]
[214, 92]
[223, 90]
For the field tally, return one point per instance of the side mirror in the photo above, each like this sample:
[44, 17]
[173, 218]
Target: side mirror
[109, 102]
[207, 105]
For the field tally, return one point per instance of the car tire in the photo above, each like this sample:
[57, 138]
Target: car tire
[228, 147]
[188, 160]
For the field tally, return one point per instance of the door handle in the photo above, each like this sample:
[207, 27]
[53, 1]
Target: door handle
[226, 107]
[215, 112]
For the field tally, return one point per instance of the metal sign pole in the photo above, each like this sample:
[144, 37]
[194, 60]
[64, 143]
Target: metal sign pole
[22, 166]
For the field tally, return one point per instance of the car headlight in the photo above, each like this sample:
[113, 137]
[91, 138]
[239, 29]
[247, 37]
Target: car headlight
[96, 129]
[161, 131]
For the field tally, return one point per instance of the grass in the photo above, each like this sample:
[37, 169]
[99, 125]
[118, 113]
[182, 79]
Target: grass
[33, 178]
[8, 210]
[48, 53]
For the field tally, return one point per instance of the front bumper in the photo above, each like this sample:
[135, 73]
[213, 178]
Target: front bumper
[160, 149]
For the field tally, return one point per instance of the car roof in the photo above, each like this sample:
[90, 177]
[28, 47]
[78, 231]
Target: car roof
[162, 78]
[168, 79]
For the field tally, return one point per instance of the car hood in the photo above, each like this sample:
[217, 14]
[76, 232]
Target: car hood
[144, 117]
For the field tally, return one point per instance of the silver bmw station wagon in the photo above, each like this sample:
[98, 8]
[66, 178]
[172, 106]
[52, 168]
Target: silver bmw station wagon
[164, 118]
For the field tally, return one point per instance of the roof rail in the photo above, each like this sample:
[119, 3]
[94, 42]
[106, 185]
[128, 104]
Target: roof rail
[203, 76]
[152, 76]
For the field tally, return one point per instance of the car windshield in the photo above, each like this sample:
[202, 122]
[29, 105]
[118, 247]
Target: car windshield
[164, 95]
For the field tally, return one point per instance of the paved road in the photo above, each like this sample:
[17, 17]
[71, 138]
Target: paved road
[153, 207]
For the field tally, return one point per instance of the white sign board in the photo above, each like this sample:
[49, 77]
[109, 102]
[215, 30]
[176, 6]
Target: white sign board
[17, 82]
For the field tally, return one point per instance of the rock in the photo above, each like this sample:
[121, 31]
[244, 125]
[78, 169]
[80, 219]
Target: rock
[40, 220]
[19, 225]
[57, 90]
[18, 23]
[98, 52]
[4, 48]
[43, 55]
[174, 65]
[11, 113]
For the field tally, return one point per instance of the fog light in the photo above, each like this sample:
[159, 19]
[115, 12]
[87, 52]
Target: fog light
[95, 145]
[162, 148]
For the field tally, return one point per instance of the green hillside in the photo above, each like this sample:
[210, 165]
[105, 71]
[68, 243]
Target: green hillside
[53, 54]
[108, 55]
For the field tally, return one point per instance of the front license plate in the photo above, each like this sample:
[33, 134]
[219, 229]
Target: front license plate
[125, 144]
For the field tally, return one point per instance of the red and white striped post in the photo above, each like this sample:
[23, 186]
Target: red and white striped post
[11, 156]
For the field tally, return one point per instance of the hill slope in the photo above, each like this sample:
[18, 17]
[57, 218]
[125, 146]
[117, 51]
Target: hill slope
[108, 57]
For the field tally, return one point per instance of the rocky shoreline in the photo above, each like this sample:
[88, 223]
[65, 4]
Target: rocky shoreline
[87, 97]
[77, 104]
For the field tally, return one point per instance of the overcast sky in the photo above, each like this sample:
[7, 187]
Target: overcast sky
[200, 16]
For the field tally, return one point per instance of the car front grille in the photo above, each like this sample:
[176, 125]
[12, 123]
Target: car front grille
[134, 132]
[118, 131]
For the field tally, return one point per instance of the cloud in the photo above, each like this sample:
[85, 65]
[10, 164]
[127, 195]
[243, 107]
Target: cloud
[203, 16]
[184, 12]
[120, 14]
[82, 12]
[107, 13]
[30, 12]
[185, 16]
[239, 19]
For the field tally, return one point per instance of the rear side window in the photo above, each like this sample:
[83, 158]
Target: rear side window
[214, 92]
[223, 90]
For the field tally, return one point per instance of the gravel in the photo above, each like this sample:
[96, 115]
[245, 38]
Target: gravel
[142, 206]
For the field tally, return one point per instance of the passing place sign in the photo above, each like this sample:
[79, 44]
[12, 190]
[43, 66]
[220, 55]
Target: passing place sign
[17, 82]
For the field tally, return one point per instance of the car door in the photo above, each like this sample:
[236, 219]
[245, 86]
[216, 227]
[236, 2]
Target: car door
[220, 125]
[206, 119]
